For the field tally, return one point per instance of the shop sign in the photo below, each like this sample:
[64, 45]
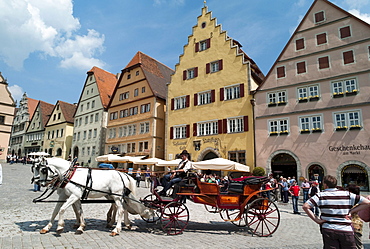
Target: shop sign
[350, 149]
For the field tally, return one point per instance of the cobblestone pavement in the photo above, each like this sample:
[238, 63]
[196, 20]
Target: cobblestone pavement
[21, 220]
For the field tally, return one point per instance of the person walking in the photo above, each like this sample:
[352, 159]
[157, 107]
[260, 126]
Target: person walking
[305, 188]
[138, 177]
[147, 177]
[294, 191]
[284, 187]
[337, 207]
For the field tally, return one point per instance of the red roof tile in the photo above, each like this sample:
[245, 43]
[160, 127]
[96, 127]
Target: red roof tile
[46, 109]
[32, 104]
[68, 110]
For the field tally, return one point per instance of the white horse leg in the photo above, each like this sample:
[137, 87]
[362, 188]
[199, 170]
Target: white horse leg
[126, 219]
[78, 216]
[112, 215]
[72, 199]
[82, 223]
[119, 207]
[55, 212]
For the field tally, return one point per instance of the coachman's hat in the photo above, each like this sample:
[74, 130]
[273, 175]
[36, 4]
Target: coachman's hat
[185, 152]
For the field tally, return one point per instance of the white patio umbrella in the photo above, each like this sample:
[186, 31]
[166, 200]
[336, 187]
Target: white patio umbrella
[171, 163]
[39, 153]
[112, 158]
[149, 161]
[220, 164]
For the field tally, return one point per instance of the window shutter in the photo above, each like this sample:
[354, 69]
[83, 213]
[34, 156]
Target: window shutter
[319, 17]
[301, 67]
[280, 72]
[345, 32]
[324, 62]
[213, 94]
[208, 68]
[220, 65]
[299, 44]
[197, 47]
[245, 119]
[187, 131]
[184, 75]
[195, 72]
[222, 93]
[348, 57]
[195, 131]
[171, 132]
[172, 104]
[241, 86]
[187, 104]
[195, 99]
[321, 39]
[220, 130]
[224, 125]
[208, 42]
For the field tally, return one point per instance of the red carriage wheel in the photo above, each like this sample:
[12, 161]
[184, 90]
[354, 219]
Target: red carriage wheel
[232, 214]
[174, 218]
[263, 217]
[153, 203]
[211, 209]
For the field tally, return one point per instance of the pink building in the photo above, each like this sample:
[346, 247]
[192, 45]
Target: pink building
[312, 111]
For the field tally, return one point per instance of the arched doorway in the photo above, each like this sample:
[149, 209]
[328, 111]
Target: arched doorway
[50, 152]
[75, 152]
[355, 174]
[59, 152]
[316, 173]
[19, 153]
[210, 155]
[285, 165]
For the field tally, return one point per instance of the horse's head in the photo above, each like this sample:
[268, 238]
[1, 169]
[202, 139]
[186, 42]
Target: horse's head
[45, 173]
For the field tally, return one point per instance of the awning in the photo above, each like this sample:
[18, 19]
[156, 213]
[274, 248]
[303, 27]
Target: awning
[353, 170]
[220, 164]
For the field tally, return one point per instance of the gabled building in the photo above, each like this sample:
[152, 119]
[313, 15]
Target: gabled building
[34, 137]
[59, 130]
[210, 105]
[91, 116]
[7, 109]
[137, 108]
[21, 121]
[312, 111]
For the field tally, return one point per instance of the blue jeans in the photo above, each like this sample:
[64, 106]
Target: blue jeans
[305, 196]
[295, 203]
[170, 183]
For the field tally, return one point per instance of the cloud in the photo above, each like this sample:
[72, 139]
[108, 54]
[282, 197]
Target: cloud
[357, 4]
[172, 2]
[363, 16]
[16, 91]
[44, 27]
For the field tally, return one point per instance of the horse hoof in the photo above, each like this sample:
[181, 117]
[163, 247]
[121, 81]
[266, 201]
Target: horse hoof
[43, 231]
[129, 227]
[113, 234]
[59, 231]
[76, 226]
[79, 232]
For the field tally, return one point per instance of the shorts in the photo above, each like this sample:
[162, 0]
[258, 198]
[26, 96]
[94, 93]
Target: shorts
[335, 239]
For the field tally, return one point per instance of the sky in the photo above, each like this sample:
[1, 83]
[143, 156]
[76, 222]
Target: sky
[48, 46]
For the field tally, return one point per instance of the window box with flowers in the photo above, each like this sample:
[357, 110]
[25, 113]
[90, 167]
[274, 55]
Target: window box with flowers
[353, 92]
[281, 103]
[338, 94]
[304, 131]
[355, 127]
[303, 100]
[274, 133]
[314, 98]
[341, 128]
[284, 132]
[316, 130]
[271, 104]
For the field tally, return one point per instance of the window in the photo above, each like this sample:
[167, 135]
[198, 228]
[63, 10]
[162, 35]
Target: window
[235, 125]
[84, 137]
[137, 73]
[93, 104]
[278, 97]
[232, 92]
[133, 110]
[323, 62]
[59, 114]
[96, 117]
[368, 52]
[91, 118]
[179, 132]
[301, 67]
[136, 92]
[180, 102]
[143, 89]
[202, 45]
[95, 133]
[299, 44]
[203, 98]
[144, 127]
[278, 126]
[124, 95]
[350, 85]
[61, 132]
[321, 39]
[113, 115]
[237, 156]
[348, 57]
[90, 134]
[319, 17]
[129, 76]
[78, 136]
[207, 128]
[214, 66]
[280, 71]
[347, 86]
[2, 119]
[88, 106]
[345, 120]
[310, 123]
[190, 73]
[345, 32]
[123, 113]
[143, 146]
[82, 108]
[145, 108]
[86, 119]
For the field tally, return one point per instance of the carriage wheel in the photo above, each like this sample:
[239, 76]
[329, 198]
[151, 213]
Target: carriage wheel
[174, 218]
[263, 217]
[223, 214]
[232, 214]
[153, 204]
[211, 209]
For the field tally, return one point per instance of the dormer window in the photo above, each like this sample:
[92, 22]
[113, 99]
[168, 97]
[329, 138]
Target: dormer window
[319, 17]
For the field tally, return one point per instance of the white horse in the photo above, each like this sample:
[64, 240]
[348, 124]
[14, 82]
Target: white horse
[120, 188]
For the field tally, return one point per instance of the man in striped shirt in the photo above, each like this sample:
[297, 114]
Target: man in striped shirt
[336, 206]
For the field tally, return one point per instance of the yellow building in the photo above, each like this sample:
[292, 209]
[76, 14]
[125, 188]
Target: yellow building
[209, 102]
[59, 130]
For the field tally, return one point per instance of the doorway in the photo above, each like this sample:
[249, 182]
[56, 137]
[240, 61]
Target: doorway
[284, 165]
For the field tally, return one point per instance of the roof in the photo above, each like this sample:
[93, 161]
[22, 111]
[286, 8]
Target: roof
[45, 111]
[32, 104]
[106, 83]
[68, 110]
[156, 73]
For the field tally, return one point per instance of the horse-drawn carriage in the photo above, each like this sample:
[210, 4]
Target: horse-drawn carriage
[243, 203]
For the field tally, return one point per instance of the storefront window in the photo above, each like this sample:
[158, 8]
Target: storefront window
[355, 174]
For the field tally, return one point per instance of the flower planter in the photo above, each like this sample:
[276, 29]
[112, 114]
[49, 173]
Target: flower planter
[340, 95]
[314, 98]
[303, 100]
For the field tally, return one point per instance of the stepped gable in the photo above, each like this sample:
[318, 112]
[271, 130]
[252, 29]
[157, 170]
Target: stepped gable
[32, 104]
[156, 73]
[106, 83]
[46, 109]
[68, 110]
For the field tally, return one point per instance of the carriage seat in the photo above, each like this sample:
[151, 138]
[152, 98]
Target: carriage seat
[208, 188]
